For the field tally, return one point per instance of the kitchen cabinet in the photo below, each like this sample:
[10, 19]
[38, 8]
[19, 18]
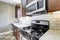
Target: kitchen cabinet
[53, 5]
[16, 32]
[23, 8]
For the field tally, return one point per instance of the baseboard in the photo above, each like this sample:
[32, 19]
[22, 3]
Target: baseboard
[3, 33]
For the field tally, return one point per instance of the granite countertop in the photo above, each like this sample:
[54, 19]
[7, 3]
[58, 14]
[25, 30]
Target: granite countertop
[51, 34]
[18, 25]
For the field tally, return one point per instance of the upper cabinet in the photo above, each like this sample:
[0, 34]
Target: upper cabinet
[53, 5]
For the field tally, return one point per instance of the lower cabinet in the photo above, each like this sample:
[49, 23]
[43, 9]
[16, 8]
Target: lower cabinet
[16, 32]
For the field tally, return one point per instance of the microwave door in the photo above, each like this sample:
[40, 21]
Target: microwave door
[31, 8]
[40, 4]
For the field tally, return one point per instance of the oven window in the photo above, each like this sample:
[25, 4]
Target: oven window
[40, 4]
[31, 8]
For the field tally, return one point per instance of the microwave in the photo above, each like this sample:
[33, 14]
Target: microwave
[36, 6]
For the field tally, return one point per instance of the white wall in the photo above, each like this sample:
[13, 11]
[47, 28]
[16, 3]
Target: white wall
[7, 15]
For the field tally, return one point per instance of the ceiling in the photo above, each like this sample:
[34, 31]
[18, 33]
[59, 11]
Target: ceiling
[13, 2]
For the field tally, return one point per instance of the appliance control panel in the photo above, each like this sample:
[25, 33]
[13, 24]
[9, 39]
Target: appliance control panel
[42, 22]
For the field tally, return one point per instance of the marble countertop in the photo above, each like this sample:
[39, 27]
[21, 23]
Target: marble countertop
[18, 25]
[51, 34]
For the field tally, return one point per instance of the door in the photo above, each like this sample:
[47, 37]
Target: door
[18, 13]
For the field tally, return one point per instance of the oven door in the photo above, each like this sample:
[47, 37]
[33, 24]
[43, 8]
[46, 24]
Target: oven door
[25, 35]
[23, 38]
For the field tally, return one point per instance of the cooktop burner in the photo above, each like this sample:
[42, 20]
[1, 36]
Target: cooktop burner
[36, 30]
[33, 32]
[37, 34]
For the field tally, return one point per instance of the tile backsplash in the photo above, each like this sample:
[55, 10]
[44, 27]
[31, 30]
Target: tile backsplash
[54, 20]
[25, 20]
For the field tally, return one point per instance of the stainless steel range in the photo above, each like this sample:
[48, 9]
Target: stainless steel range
[36, 30]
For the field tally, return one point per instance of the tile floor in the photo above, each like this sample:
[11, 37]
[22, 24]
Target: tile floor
[7, 37]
